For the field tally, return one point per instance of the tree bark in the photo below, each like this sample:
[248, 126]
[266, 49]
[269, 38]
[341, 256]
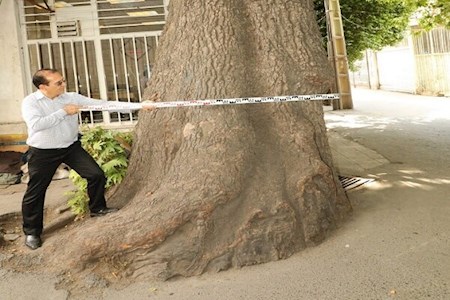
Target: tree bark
[217, 187]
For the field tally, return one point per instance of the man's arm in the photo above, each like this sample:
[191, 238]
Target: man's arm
[116, 106]
[34, 119]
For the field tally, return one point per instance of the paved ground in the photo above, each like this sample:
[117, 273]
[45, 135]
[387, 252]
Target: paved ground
[395, 246]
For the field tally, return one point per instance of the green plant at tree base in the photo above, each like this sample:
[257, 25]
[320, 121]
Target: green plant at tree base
[110, 149]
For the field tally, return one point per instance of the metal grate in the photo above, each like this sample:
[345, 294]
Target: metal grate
[68, 28]
[349, 183]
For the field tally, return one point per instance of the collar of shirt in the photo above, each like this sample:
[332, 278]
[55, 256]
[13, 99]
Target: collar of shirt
[39, 95]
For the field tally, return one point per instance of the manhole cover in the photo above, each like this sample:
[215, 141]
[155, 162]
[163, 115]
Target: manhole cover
[349, 183]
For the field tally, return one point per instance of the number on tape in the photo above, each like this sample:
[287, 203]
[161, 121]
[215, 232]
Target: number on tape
[231, 101]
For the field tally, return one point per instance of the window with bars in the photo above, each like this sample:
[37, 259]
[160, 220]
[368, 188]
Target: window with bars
[39, 19]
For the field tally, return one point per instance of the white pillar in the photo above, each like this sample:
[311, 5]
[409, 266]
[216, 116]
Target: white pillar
[12, 85]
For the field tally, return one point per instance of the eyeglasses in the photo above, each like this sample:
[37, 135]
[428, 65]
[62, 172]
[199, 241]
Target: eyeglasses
[60, 82]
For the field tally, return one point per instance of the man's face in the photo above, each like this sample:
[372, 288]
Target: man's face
[55, 87]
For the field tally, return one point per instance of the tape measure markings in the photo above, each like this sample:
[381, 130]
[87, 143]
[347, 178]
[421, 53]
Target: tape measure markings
[192, 103]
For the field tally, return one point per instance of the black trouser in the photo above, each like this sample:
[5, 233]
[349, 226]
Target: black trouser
[42, 165]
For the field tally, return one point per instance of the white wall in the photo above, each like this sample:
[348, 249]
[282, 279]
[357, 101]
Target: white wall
[392, 69]
[11, 70]
[366, 73]
[396, 69]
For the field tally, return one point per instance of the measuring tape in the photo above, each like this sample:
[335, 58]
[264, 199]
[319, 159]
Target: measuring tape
[249, 100]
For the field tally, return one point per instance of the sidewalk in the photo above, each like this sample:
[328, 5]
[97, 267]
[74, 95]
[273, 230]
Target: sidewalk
[396, 245]
[11, 195]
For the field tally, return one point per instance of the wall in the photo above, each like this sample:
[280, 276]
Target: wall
[11, 73]
[12, 91]
[366, 71]
[392, 68]
[420, 64]
[396, 69]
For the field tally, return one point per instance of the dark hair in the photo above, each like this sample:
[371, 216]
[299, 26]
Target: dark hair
[40, 76]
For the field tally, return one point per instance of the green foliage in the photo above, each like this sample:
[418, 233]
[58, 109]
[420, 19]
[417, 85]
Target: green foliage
[105, 147]
[369, 24]
[433, 13]
[78, 199]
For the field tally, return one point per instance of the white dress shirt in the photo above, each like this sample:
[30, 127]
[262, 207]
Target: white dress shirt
[48, 124]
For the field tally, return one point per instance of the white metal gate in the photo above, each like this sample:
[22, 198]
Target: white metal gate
[432, 55]
[99, 65]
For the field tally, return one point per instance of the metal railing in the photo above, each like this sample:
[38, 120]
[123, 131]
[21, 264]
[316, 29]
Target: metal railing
[111, 58]
[113, 68]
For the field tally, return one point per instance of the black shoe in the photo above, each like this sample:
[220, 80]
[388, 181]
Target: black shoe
[103, 212]
[33, 241]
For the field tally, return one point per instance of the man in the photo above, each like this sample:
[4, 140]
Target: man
[51, 116]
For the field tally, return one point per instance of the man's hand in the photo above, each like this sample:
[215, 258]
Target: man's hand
[154, 98]
[71, 109]
[148, 105]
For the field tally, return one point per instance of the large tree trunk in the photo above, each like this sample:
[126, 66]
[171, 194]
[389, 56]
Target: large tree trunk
[217, 187]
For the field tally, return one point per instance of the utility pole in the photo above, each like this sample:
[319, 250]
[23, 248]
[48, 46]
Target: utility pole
[338, 53]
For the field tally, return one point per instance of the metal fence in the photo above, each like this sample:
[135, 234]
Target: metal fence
[104, 49]
[432, 58]
[113, 68]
